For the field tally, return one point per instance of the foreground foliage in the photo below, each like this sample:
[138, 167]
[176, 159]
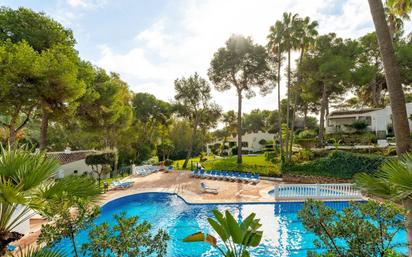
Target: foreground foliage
[237, 238]
[26, 183]
[126, 238]
[68, 216]
[362, 229]
[393, 181]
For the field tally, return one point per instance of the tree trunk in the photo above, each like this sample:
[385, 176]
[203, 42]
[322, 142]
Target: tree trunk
[305, 116]
[392, 75]
[407, 203]
[12, 131]
[324, 103]
[296, 95]
[192, 139]
[287, 110]
[239, 126]
[43, 130]
[280, 114]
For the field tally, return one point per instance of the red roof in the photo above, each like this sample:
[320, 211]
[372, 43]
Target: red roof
[72, 156]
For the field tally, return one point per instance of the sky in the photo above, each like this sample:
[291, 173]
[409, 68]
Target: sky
[150, 43]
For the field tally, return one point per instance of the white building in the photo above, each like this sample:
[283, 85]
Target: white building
[250, 142]
[72, 162]
[379, 120]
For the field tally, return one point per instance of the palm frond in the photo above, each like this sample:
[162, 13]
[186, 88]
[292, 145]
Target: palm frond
[38, 252]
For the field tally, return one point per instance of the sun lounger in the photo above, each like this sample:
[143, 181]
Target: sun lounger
[194, 173]
[242, 177]
[201, 174]
[255, 178]
[206, 189]
[229, 175]
[121, 185]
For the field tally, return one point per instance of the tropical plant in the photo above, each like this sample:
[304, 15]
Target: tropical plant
[125, 238]
[393, 181]
[393, 77]
[37, 252]
[236, 238]
[26, 183]
[361, 229]
[241, 64]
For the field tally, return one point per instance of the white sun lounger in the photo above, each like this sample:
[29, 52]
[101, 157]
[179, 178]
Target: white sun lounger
[206, 189]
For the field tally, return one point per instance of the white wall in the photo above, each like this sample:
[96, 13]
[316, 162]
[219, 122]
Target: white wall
[80, 166]
[254, 138]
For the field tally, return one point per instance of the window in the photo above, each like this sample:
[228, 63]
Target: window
[75, 171]
[245, 144]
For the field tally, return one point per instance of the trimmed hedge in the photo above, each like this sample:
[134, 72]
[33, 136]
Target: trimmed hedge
[337, 164]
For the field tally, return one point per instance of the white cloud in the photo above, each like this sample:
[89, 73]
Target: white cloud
[163, 53]
[86, 3]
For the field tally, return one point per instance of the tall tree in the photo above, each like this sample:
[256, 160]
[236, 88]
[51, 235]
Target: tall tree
[193, 96]
[39, 30]
[105, 107]
[327, 71]
[19, 74]
[393, 80]
[58, 87]
[243, 65]
[291, 42]
[150, 114]
[305, 33]
[276, 48]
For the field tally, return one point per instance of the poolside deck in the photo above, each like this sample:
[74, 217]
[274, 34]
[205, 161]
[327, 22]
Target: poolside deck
[181, 183]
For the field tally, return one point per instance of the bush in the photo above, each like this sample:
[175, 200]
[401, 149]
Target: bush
[306, 142]
[270, 156]
[337, 164]
[168, 162]
[352, 138]
[306, 134]
[359, 125]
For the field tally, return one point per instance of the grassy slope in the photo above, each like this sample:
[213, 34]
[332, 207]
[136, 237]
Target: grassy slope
[250, 164]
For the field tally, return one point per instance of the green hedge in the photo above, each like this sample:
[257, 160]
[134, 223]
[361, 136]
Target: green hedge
[338, 164]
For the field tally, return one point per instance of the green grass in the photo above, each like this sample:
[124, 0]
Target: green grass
[256, 164]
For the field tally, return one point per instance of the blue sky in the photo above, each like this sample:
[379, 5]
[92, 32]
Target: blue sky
[152, 42]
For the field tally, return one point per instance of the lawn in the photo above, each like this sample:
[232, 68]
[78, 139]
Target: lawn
[255, 163]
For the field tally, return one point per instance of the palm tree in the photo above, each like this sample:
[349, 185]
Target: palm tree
[276, 47]
[305, 33]
[290, 42]
[26, 184]
[392, 74]
[397, 11]
[37, 252]
[393, 181]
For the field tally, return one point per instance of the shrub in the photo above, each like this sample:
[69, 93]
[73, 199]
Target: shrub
[306, 134]
[168, 162]
[306, 142]
[359, 125]
[270, 156]
[338, 164]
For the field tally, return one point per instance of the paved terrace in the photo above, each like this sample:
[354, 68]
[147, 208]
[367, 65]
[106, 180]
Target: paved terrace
[178, 182]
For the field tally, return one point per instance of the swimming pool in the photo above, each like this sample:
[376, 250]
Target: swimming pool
[284, 235]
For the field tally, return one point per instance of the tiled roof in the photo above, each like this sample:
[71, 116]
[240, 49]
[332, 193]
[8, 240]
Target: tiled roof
[72, 156]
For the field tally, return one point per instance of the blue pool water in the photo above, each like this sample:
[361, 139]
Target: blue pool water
[284, 235]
